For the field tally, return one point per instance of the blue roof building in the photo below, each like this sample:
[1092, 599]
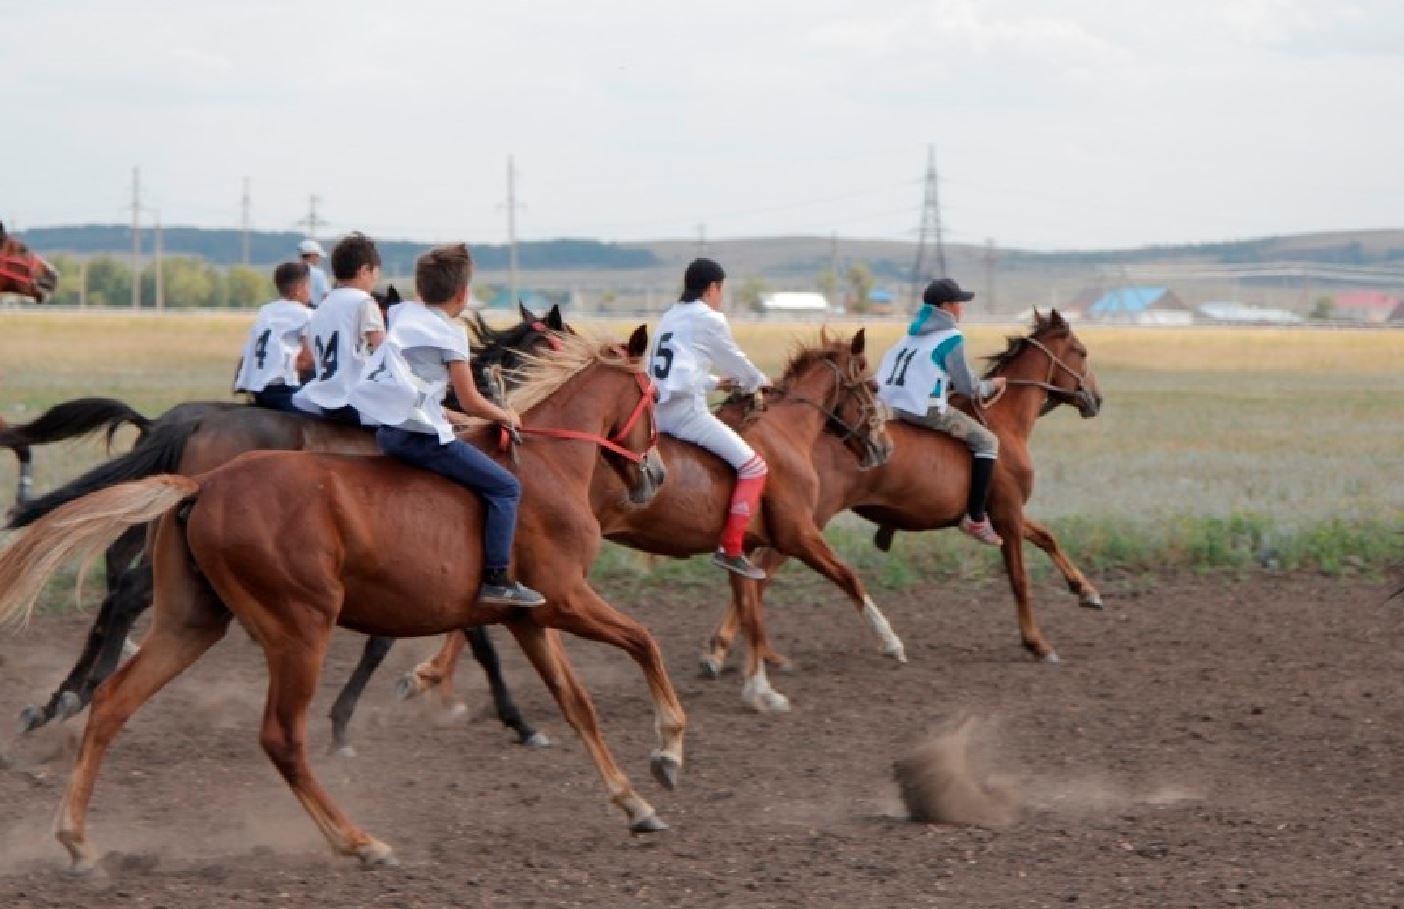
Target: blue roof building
[1139, 304]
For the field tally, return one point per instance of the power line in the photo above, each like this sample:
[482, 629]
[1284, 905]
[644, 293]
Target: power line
[136, 237]
[312, 221]
[512, 226]
[930, 225]
[244, 222]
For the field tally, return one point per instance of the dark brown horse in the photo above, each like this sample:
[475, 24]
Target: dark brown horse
[391, 551]
[923, 486]
[197, 437]
[23, 271]
[823, 401]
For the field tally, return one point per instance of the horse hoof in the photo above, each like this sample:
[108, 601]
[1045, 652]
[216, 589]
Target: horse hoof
[80, 869]
[711, 668]
[377, 854]
[665, 769]
[1050, 657]
[1091, 600]
[30, 719]
[69, 704]
[537, 740]
[769, 702]
[345, 751]
[456, 711]
[896, 651]
[651, 824]
[407, 686]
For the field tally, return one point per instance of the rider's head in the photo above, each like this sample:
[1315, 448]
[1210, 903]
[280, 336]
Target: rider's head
[703, 281]
[356, 262]
[443, 275]
[945, 293]
[293, 281]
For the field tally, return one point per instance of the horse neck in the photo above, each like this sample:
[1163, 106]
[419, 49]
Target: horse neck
[816, 386]
[581, 405]
[1017, 412]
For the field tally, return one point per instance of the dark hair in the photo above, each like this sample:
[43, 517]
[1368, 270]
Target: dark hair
[289, 275]
[354, 251]
[700, 275]
[442, 272]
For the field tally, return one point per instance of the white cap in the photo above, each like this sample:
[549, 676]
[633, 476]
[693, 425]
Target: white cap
[310, 247]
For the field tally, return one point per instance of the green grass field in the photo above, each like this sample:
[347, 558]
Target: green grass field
[1216, 448]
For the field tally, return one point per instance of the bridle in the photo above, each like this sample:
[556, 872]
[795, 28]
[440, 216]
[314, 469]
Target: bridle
[22, 267]
[1054, 364]
[845, 386]
[613, 443]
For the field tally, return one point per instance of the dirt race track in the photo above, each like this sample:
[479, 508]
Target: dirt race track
[1205, 743]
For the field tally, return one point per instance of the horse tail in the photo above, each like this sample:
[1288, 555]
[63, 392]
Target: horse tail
[159, 451]
[83, 528]
[72, 419]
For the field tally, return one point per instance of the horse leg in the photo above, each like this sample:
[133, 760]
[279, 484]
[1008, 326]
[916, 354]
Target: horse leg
[1009, 527]
[26, 474]
[756, 691]
[586, 614]
[129, 597]
[803, 540]
[433, 672]
[372, 656]
[719, 644]
[486, 655]
[542, 647]
[1043, 538]
[189, 621]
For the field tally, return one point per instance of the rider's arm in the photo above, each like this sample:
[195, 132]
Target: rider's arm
[372, 325]
[472, 400]
[950, 356]
[715, 337]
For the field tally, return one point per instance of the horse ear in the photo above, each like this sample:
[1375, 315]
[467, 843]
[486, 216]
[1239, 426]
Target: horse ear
[392, 295]
[638, 342]
[1038, 317]
[1055, 319]
[2, 230]
[860, 341]
[527, 315]
[554, 320]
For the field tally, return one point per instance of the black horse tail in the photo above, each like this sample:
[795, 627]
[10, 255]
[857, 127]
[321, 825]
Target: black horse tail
[158, 452]
[72, 419]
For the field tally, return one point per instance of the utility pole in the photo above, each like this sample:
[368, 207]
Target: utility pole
[512, 227]
[834, 272]
[701, 239]
[931, 231]
[312, 220]
[136, 238]
[160, 279]
[991, 257]
[244, 222]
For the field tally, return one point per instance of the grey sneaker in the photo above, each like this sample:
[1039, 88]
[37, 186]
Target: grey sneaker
[509, 593]
[738, 564]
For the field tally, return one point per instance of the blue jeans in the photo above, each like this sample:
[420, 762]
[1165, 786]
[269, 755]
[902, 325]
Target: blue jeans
[277, 397]
[466, 466]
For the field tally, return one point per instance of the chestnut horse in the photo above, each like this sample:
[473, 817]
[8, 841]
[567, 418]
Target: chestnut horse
[23, 271]
[923, 486]
[825, 394]
[390, 550]
[196, 437]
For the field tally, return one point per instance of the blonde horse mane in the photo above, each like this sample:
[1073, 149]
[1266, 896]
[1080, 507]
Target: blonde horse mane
[542, 374]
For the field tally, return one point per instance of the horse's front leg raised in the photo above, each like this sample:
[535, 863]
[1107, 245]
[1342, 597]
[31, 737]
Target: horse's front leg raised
[1043, 538]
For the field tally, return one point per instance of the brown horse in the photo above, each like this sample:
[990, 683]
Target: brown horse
[23, 271]
[923, 487]
[391, 551]
[825, 401]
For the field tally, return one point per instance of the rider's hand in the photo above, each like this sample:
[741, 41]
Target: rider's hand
[726, 385]
[510, 419]
[997, 386]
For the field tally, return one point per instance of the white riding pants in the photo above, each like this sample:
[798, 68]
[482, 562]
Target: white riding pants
[686, 417]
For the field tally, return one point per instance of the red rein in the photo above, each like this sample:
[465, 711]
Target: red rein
[610, 444]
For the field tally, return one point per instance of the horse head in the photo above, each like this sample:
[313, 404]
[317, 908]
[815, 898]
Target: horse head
[23, 271]
[635, 429]
[834, 377]
[1051, 357]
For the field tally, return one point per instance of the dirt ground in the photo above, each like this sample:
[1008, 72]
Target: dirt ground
[1206, 742]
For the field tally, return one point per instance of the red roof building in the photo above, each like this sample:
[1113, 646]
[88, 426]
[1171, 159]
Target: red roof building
[1365, 305]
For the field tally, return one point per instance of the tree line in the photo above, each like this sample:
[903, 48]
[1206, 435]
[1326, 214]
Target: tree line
[186, 283]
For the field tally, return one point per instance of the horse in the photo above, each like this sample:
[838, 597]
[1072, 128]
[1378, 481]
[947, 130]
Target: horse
[923, 486]
[23, 271]
[196, 437]
[69, 420]
[397, 553]
[825, 394]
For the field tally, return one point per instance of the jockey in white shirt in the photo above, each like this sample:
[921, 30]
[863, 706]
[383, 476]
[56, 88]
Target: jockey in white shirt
[692, 338]
[277, 349]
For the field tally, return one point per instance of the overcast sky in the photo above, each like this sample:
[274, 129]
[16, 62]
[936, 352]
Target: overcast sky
[1060, 124]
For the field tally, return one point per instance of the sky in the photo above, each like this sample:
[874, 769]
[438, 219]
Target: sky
[1061, 124]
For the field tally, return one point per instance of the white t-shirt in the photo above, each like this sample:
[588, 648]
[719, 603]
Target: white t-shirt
[913, 374]
[408, 376]
[690, 340]
[270, 353]
[338, 331]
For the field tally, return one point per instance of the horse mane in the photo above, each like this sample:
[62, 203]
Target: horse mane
[804, 354]
[542, 374]
[1041, 330]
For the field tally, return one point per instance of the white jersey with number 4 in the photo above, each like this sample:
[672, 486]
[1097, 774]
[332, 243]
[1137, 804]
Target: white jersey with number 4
[270, 353]
[691, 339]
[913, 376]
[338, 332]
[391, 393]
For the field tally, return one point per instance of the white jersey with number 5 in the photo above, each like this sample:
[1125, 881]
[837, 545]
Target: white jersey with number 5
[913, 375]
[270, 353]
[691, 339]
[338, 334]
